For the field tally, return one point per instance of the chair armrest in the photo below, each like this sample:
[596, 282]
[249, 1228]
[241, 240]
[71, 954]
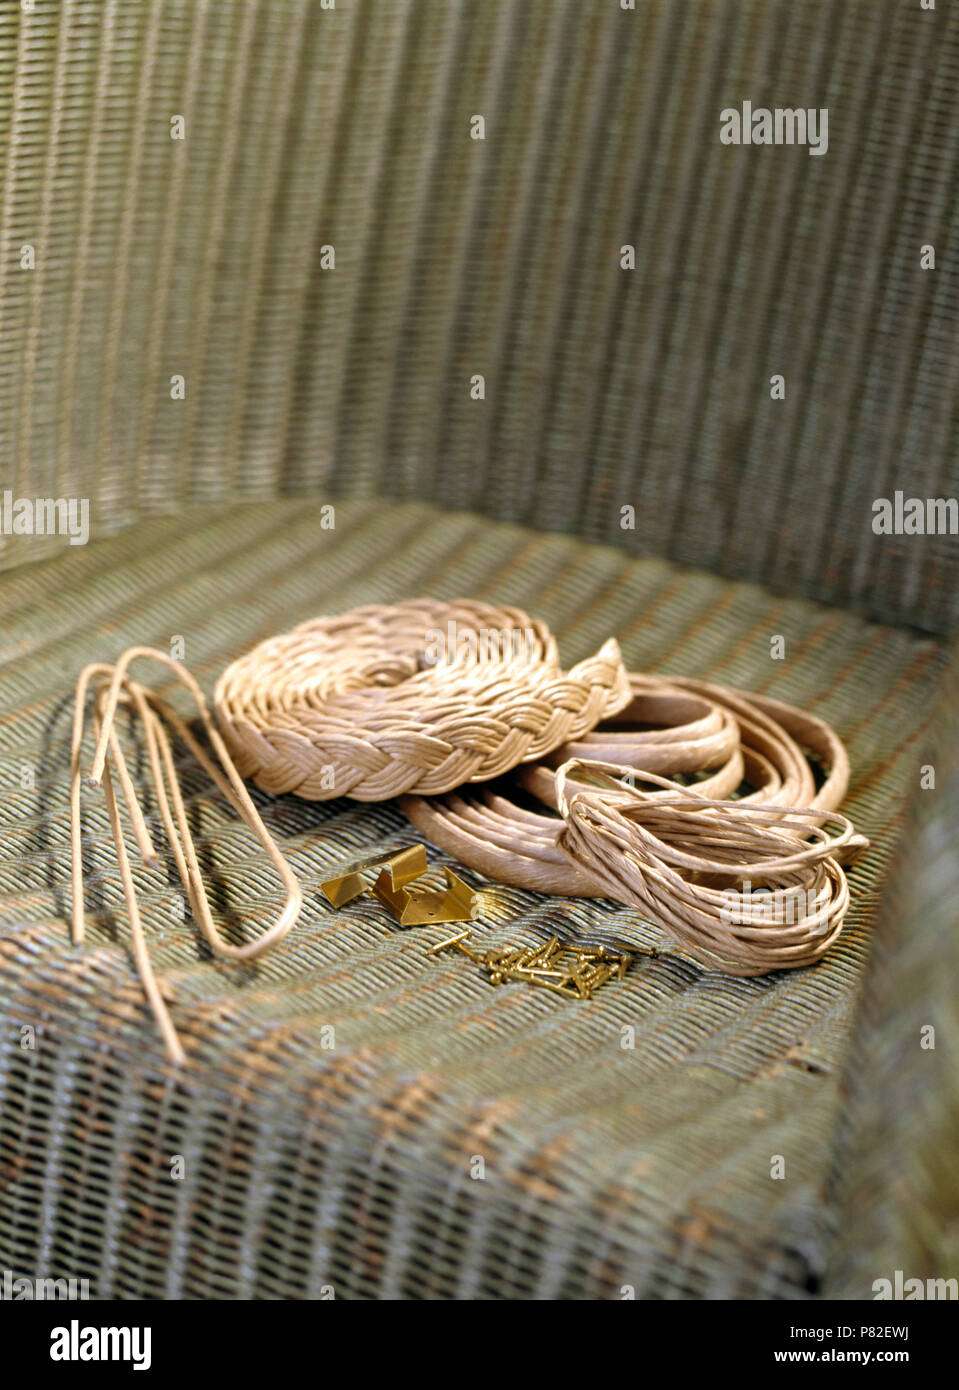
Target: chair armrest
[894, 1181]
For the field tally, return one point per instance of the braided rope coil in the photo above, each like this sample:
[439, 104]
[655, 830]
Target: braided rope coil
[418, 696]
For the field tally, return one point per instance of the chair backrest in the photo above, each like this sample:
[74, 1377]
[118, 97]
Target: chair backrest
[505, 256]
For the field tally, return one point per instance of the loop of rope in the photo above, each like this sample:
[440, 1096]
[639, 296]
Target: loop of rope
[743, 887]
[113, 688]
[412, 696]
[487, 829]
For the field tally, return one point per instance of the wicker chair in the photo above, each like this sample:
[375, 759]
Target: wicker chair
[254, 261]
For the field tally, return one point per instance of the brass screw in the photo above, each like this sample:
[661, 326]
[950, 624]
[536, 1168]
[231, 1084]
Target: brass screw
[588, 968]
[453, 941]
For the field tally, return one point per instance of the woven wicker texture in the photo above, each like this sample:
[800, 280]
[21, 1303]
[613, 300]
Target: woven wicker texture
[208, 258]
[898, 1134]
[308, 1165]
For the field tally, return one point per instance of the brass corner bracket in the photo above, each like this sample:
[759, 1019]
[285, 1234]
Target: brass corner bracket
[457, 902]
[348, 882]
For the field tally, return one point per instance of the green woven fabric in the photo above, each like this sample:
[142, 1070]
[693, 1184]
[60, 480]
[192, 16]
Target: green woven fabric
[307, 128]
[208, 338]
[899, 1134]
[308, 1166]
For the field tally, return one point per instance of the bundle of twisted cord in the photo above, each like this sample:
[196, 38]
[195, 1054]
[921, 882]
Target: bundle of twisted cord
[368, 704]
[742, 887]
[723, 735]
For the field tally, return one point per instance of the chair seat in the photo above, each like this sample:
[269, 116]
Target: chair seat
[340, 1094]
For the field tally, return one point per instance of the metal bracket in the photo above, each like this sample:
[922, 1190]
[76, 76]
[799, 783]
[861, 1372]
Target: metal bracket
[402, 866]
[457, 902]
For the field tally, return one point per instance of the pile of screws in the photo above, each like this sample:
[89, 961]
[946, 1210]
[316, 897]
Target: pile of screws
[572, 971]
